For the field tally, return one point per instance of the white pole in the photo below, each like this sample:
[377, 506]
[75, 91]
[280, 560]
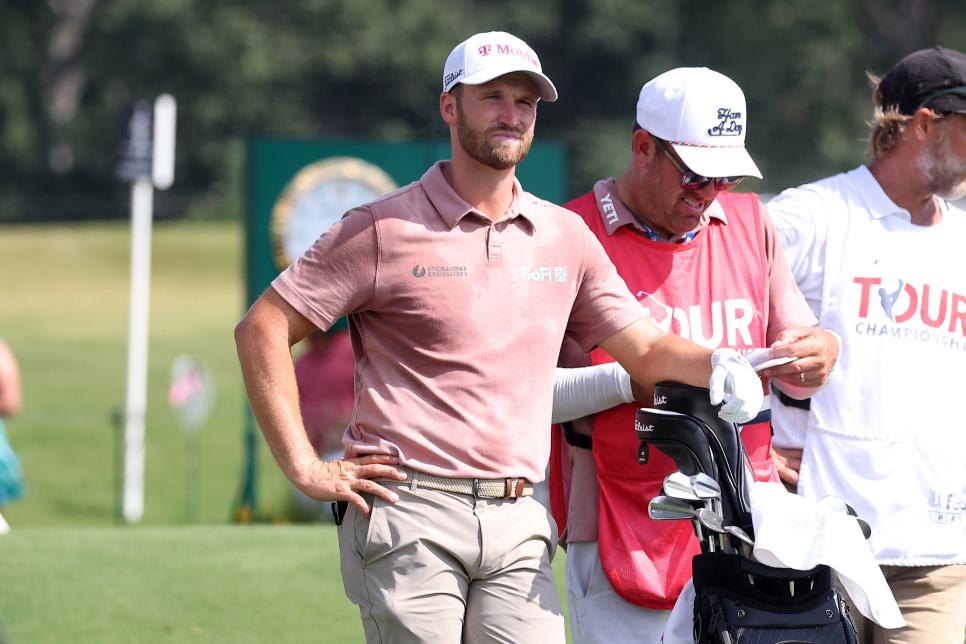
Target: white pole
[142, 195]
[162, 168]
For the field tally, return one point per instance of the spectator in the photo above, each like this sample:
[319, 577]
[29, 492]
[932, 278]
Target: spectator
[11, 475]
[878, 254]
[324, 375]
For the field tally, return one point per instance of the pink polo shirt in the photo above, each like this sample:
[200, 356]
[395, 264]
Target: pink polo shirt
[457, 322]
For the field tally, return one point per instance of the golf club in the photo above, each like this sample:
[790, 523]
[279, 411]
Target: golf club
[678, 485]
[839, 504]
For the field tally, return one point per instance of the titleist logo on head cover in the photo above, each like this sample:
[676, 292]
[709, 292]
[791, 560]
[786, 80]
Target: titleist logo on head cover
[643, 428]
[728, 124]
[510, 50]
[659, 400]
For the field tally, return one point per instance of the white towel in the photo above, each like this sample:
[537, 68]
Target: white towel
[794, 532]
[679, 628]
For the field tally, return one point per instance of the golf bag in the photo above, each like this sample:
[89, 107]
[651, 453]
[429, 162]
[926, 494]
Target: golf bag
[740, 601]
[737, 599]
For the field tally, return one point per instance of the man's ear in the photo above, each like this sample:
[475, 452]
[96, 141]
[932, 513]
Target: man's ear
[924, 122]
[643, 147]
[447, 107]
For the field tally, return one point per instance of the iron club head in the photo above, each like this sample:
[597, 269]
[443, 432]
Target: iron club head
[678, 485]
[710, 520]
[666, 508]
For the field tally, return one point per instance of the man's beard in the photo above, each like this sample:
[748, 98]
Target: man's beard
[499, 157]
[945, 173]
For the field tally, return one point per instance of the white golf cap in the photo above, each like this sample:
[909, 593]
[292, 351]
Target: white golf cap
[483, 57]
[702, 114]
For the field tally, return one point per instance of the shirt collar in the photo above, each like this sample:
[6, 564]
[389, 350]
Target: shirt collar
[616, 214]
[452, 208]
[877, 202]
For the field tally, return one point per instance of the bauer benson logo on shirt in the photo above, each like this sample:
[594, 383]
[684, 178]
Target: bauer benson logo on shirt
[544, 273]
[439, 271]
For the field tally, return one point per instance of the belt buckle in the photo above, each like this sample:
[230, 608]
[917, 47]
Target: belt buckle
[476, 488]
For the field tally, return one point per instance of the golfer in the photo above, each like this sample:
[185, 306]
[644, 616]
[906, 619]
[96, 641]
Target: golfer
[459, 289]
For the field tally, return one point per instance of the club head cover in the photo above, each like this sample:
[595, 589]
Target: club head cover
[678, 436]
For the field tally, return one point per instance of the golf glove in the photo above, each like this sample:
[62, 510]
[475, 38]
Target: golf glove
[734, 383]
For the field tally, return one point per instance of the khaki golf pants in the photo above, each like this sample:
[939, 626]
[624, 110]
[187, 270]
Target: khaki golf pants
[933, 601]
[446, 568]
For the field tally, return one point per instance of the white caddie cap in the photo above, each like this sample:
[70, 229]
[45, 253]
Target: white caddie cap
[702, 114]
[483, 57]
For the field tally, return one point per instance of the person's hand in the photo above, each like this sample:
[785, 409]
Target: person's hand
[788, 462]
[735, 383]
[348, 479]
[817, 351]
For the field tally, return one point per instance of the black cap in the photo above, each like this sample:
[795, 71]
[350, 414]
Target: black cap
[934, 78]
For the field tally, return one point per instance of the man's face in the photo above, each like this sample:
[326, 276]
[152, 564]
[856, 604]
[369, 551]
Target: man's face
[495, 121]
[663, 203]
[944, 162]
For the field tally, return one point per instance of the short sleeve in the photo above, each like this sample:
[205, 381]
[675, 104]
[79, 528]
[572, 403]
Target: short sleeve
[337, 275]
[800, 220]
[786, 306]
[603, 304]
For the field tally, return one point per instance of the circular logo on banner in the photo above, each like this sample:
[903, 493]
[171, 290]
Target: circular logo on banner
[317, 197]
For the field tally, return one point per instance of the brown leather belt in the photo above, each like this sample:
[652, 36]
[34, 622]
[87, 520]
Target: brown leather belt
[479, 488]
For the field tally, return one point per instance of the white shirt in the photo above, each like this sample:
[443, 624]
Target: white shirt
[886, 433]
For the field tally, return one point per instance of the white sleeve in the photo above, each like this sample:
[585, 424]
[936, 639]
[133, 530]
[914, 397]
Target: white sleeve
[800, 219]
[588, 390]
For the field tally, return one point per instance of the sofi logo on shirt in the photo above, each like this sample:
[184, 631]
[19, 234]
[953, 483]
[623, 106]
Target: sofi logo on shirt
[727, 324]
[544, 273]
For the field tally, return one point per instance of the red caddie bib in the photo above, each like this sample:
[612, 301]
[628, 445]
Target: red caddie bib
[712, 290]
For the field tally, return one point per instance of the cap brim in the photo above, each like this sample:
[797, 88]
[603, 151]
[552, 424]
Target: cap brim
[952, 103]
[547, 91]
[731, 161]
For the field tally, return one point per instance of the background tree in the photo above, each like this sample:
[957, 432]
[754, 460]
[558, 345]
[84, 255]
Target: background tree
[370, 68]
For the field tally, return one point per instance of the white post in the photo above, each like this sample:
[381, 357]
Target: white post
[156, 148]
[142, 195]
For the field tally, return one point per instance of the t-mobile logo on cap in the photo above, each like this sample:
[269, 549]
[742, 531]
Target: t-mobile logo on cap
[510, 50]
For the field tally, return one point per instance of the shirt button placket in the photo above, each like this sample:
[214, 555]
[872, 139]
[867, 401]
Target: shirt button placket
[494, 249]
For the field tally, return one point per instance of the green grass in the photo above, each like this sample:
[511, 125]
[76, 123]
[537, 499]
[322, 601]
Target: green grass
[190, 584]
[64, 311]
[222, 584]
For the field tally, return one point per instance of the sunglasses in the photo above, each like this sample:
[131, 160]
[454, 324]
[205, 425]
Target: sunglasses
[691, 181]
